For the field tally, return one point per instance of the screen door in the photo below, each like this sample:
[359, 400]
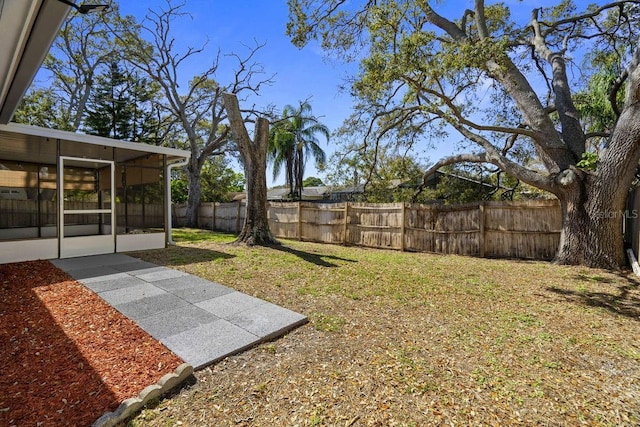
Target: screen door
[87, 207]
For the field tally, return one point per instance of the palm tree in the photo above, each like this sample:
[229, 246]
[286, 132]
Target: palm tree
[293, 139]
[281, 151]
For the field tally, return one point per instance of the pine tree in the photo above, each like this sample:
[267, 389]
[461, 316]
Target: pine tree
[121, 107]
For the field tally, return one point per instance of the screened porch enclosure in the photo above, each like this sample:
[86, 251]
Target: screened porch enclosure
[64, 195]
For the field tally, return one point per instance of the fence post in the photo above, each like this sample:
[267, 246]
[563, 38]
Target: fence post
[402, 227]
[213, 216]
[346, 223]
[481, 236]
[299, 220]
[238, 217]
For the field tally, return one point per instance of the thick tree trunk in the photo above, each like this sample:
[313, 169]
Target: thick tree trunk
[255, 230]
[591, 229]
[193, 198]
[594, 205]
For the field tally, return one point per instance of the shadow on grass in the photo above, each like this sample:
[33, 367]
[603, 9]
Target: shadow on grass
[182, 255]
[596, 279]
[317, 259]
[623, 300]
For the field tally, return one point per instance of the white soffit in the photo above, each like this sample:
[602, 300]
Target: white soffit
[27, 30]
[20, 142]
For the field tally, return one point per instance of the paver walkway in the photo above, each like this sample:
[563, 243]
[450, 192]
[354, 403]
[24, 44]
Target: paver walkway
[200, 321]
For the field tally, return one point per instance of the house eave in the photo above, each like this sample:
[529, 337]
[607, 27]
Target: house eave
[27, 31]
[24, 136]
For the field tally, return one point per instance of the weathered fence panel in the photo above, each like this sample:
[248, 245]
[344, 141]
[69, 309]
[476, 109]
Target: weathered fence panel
[31, 213]
[138, 215]
[227, 217]
[19, 213]
[522, 231]
[178, 215]
[493, 229]
[283, 219]
[375, 225]
[322, 223]
[443, 229]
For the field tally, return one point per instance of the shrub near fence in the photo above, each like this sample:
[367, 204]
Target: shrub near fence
[529, 230]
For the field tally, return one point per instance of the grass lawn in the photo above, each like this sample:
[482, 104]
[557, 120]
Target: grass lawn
[407, 339]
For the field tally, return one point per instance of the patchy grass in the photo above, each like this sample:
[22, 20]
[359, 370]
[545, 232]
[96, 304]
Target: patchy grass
[400, 339]
[194, 235]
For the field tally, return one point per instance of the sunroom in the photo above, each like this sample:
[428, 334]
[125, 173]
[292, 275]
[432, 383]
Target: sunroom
[65, 194]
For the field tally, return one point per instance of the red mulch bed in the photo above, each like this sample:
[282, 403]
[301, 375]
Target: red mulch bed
[66, 356]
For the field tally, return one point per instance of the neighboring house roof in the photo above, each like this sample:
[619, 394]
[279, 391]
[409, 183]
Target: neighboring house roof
[27, 30]
[308, 193]
[358, 189]
[318, 193]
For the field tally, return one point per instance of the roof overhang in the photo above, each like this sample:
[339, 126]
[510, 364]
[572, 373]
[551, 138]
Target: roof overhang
[23, 143]
[27, 30]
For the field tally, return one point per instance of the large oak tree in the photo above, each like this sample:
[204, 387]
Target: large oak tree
[505, 82]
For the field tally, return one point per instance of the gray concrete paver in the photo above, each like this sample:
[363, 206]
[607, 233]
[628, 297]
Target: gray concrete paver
[181, 282]
[148, 306]
[202, 292]
[128, 294]
[227, 305]
[113, 282]
[209, 343]
[171, 322]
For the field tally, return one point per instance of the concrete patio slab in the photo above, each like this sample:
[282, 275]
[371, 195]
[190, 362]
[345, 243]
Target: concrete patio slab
[134, 265]
[175, 321]
[144, 270]
[265, 320]
[180, 282]
[200, 321]
[167, 273]
[140, 309]
[210, 342]
[71, 264]
[94, 273]
[229, 304]
[111, 282]
[203, 292]
[132, 293]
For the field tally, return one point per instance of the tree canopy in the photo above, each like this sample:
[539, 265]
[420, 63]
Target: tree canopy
[219, 182]
[507, 83]
[122, 105]
[126, 78]
[83, 51]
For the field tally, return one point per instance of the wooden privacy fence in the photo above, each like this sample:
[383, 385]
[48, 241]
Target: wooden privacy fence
[227, 217]
[529, 230]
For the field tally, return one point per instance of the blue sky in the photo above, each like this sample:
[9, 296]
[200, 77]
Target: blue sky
[300, 74]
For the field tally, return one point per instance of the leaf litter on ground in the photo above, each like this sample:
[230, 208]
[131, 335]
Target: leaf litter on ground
[414, 339]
